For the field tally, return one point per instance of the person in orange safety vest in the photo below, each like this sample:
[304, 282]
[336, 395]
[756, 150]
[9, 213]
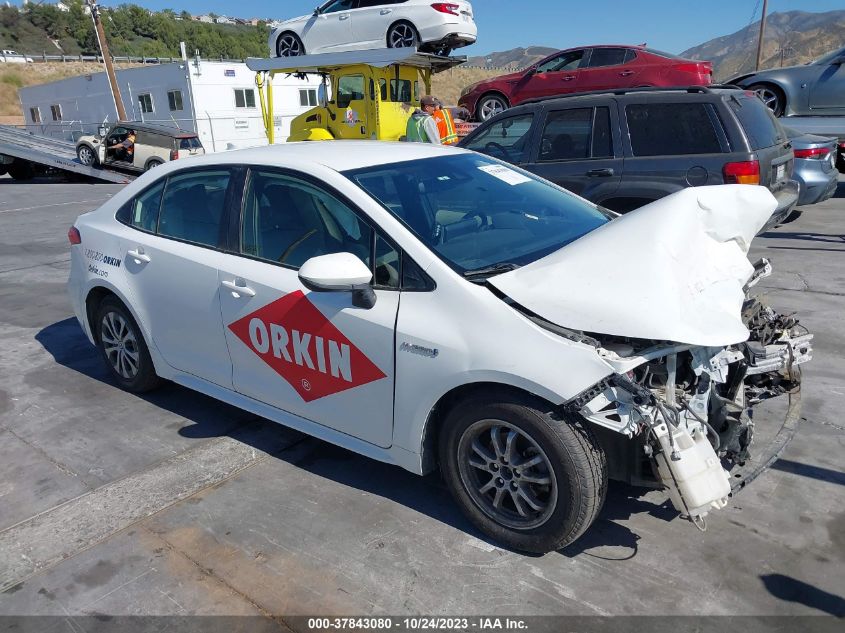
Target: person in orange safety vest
[445, 125]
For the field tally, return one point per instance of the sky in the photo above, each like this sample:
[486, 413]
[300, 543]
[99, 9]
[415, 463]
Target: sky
[669, 25]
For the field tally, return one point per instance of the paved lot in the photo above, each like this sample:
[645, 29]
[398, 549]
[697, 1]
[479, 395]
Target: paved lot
[174, 504]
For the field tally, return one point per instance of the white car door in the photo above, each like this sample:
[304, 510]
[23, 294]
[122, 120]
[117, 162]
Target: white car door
[370, 21]
[312, 354]
[171, 261]
[330, 29]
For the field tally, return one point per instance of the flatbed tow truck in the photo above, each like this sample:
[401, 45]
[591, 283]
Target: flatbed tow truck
[24, 155]
[367, 94]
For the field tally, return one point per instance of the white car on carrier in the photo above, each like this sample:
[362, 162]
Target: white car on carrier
[345, 25]
[431, 306]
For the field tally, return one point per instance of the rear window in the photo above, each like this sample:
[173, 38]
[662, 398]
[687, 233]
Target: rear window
[659, 129]
[760, 125]
[192, 142]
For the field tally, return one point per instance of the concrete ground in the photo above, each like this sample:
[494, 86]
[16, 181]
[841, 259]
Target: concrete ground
[115, 504]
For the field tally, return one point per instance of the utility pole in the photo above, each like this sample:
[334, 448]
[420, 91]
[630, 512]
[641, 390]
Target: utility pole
[762, 33]
[104, 51]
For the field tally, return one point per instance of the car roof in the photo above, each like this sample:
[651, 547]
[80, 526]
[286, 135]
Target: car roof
[168, 130]
[698, 91]
[337, 155]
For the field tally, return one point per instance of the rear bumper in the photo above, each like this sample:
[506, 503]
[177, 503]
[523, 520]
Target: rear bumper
[816, 185]
[454, 35]
[787, 198]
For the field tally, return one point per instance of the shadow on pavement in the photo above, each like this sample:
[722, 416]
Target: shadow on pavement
[807, 470]
[811, 237]
[792, 590]
[428, 495]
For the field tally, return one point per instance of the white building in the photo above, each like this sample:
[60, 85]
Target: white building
[218, 100]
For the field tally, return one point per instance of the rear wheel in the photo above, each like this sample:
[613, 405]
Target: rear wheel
[489, 106]
[522, 475]
[289, 45]
[403, 35]
[86, 156]
[153, 162]
[122, 346]
[772, 96]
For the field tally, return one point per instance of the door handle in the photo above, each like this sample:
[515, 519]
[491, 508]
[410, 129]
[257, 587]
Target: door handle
[139, 255]
[385, 11]
[626, 73]
[600, 173]
[569, 77]
[239, 286]
[343, 17]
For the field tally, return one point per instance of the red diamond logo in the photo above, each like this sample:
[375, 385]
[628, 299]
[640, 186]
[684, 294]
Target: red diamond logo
[305, 348]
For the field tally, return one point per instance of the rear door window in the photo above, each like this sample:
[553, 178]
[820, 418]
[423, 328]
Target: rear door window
[760, 125]
[669, 129]
[577, 133]
[608, 57]
[193, 206]
[507, 139]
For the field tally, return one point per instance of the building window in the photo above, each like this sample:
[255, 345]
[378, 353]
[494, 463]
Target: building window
[244, 98]
[174, 100]
[56, 111]
[35, 115]
[146, 102]
[308, 98]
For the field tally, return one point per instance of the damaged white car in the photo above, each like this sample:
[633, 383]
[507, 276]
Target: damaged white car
[424, 305]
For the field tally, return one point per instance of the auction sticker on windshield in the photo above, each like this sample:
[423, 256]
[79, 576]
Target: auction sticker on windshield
[504, 174]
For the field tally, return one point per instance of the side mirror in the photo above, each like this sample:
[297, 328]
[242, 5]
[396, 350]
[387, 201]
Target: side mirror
[340, 272]
[317, 11]
[322, 95]
[101, 131]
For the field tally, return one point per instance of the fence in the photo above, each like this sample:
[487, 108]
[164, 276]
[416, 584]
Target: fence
[43, 57]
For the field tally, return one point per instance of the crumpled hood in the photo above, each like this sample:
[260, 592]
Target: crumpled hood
[673, 270]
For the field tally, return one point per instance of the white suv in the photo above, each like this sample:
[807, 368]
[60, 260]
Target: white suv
[13, 57]
[344, 25]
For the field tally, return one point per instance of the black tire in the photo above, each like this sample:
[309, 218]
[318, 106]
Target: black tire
[153, 162]
[570, 459]
[489, 105]
[87, 156]
[111, 316]
[772, 96]
[403, 35]
[21, 170]
[289, 44]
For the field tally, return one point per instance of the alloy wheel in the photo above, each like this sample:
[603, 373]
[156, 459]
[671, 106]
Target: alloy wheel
[289, 46]
[120, 345]
[402, 36]
[86, 156]
[507, 474]
[770, 98]
[490, 107]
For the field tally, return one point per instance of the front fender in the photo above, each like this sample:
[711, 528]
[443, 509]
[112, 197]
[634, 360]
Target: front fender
[311, 134]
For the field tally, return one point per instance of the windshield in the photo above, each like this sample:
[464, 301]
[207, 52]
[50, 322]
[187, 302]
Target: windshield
[826, 59]
[476, 213]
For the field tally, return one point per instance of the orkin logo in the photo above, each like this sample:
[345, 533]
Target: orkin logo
[305, 348]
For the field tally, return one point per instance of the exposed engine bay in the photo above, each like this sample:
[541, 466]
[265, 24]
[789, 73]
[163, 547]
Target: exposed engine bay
[690, 408]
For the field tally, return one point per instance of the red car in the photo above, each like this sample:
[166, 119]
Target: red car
[581, 70]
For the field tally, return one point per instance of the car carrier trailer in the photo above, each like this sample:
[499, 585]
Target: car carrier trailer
[24, 155]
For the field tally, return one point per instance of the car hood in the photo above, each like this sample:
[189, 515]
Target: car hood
[674, 270]
[290, 21]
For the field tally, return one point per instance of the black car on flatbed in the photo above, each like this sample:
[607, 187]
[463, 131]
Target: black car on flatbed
[625, 148]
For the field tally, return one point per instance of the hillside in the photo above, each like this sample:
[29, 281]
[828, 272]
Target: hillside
[801, 35]
[515, 58]
[131, 30]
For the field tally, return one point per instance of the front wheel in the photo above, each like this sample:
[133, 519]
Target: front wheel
[489, 106]
[122, 346]
[289, 45]
[86, 156]
[521, 474]
[772, 96]
[403, 35]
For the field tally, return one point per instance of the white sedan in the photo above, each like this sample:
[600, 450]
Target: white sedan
[13, 57]
[430, 306]
[345, 25]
